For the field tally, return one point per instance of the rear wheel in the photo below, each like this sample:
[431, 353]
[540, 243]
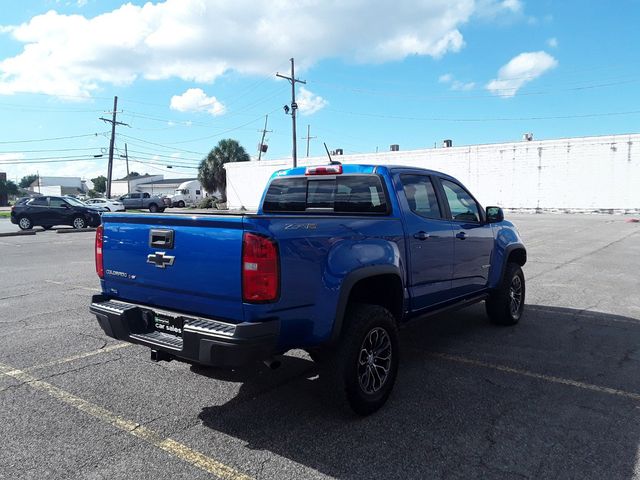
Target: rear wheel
[25, 223]
[364, 366]
[79, 222]
[506, 304]
[153, 208]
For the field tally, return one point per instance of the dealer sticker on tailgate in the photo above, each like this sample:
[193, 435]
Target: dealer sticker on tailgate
[168, 324]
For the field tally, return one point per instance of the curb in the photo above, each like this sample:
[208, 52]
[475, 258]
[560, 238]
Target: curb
[75, 230]
[18, 234]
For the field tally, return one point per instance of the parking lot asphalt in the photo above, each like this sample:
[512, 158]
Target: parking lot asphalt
[557, 396]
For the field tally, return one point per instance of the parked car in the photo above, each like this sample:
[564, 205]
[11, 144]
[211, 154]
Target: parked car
[143, 201]
[109, 205]
[336, 259]
[48, 211]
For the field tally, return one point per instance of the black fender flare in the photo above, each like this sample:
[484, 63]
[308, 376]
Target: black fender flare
[347, 285]
[507, 251]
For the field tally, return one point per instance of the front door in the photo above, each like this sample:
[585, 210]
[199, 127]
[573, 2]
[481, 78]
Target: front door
[473, 239]
[60, 212]
[430, 241]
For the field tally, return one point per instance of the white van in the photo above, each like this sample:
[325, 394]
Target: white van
[187, 194]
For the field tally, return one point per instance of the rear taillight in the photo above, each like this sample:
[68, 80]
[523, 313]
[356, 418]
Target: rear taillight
[260, 272]
[99, 242]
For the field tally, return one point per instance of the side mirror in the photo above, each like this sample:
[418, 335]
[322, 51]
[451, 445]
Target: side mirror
[494, 215]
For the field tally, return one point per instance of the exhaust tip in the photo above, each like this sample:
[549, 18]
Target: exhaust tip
[273, 363]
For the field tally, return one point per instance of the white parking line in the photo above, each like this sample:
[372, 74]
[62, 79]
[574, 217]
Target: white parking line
[73, 286]
[538, 376]
[172, 447]
[73, 358]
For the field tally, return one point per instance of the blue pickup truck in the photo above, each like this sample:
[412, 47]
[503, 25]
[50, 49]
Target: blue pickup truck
[336, 259]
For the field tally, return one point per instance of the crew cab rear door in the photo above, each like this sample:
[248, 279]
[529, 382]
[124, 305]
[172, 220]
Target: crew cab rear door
[429, 237]
[473, 238]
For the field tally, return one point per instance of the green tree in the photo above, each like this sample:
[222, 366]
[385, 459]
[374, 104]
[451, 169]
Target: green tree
[100, 183]
[7, 187]
[211, 172]
[27, 180]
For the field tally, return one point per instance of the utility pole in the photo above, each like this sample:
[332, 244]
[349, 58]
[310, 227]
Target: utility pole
[264, 132]
[308, 137]
[113, 123]
[126, 156]
[294, 107]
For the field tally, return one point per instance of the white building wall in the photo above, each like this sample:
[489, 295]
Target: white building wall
[585, 173]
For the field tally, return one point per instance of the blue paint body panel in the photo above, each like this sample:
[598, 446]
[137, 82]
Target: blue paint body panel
[318, 251]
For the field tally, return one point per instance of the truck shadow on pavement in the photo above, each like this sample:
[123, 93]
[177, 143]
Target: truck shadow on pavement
[451, 418]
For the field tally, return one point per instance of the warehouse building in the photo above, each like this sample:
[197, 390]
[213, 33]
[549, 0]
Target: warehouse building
[600, 173]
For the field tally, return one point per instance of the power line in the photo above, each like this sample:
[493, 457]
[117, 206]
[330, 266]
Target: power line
[53, 139]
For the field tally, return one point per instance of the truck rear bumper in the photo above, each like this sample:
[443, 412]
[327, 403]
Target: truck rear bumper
[204, 341]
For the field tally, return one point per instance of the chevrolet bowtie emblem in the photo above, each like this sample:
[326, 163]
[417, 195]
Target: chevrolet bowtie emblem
[160, 260]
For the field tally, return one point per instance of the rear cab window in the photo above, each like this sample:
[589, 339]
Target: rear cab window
[357, 194]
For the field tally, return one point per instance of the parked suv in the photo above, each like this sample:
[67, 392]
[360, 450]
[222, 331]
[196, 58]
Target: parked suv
[49, 211]
[142, 201]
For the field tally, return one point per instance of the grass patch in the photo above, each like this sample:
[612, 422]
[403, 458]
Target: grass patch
[5, 214]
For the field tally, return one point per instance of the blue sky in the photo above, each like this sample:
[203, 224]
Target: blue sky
[191, 72]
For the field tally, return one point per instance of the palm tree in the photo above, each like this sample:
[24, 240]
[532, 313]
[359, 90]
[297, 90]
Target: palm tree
[211, 172]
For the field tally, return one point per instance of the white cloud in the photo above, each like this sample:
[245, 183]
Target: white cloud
[552, 42]
[309, 103]
[456, 84]
[462, 86]
[521, 70]
[199, 40]
[195, 100]
[495, 8]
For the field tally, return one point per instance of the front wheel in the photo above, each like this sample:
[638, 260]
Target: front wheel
[79, 223]
[364, 366]
[506, 304]
[180, 204]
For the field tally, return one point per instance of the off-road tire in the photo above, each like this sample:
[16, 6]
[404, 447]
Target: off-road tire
[505, 305]
[345, 367]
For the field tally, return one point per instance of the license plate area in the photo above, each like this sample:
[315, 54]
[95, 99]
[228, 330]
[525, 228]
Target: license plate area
[168, 324]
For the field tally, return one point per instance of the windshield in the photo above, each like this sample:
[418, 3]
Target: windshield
[74, 201]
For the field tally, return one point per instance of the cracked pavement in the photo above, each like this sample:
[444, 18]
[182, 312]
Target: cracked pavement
[446, 418]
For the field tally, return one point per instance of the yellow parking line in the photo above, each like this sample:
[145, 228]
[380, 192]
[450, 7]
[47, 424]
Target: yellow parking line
[176, 449]
[538, 376]
[72, 358]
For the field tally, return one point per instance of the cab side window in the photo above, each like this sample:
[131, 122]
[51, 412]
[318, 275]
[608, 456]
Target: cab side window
[39, 202]
[146, 195]
[421, 195]
[55, 202]
[463, 207]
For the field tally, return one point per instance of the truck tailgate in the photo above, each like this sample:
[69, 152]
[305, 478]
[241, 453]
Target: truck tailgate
[198, 272]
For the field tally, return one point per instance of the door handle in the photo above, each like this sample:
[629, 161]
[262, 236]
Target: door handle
[461, 235]
[421, 235]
